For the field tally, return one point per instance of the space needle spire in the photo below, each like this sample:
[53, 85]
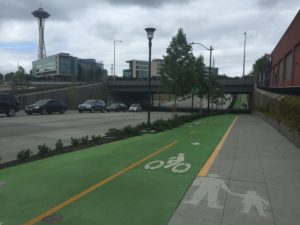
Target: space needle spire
[41, 16]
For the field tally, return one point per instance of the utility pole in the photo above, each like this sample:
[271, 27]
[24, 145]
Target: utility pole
[245, 34]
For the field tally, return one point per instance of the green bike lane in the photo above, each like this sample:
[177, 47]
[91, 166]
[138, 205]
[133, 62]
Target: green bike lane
[140, 195]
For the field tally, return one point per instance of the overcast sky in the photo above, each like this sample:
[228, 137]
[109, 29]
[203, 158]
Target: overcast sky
[87, 29]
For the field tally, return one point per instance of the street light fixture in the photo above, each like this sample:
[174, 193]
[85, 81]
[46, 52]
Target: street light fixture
[210, 49]
[150, 34]
[115, 41]
[245, 34]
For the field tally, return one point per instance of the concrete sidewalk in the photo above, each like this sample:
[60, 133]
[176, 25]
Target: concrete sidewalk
[254, 180]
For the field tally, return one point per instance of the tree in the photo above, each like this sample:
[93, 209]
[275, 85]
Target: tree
[19, 80]
[1, 77]
[216, 91]
[199, 76]
[178, 67]
[261, 68]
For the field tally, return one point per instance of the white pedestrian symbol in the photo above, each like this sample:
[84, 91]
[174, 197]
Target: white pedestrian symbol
[210, 186]
[251, 198]
[177, 163]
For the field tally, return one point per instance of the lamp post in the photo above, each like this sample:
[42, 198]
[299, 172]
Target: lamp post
[245, 34]
[210, 49]
[115, 41]
[150, 33]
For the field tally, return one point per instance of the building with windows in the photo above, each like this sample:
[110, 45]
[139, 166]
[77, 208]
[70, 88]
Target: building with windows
[285, 58]
[139, 69]
[65, 67]
[156, 67]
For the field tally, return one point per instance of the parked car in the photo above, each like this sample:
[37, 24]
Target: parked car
[92, 106]
[135, 108]
[45, 106]
[117, 107]
[9, 105]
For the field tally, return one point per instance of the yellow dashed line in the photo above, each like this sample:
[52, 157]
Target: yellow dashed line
[203, 172]
[94, 187]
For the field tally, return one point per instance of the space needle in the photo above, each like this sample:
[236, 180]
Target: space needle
[41, 16]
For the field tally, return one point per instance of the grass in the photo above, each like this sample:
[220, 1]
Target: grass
[238, 102]
[139, 196]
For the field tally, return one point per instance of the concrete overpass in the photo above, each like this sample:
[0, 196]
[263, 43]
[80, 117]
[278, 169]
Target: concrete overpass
[231, 86]
[129, 91]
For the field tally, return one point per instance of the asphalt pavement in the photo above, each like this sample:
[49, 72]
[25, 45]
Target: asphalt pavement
[24, 131]
[254, 180]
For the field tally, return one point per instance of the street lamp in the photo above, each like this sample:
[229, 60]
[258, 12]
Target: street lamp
[244, 54]
[150, 33]
[210, 49]
[115, 41]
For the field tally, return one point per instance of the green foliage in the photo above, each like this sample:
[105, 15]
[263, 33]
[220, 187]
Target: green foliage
[19, 79]
[43, 149]
[289, 108]
[177, 69]
[97, 139]
[261, 65]
[59, 145]
[285, 109]
[24, 155]
[75, 141]
[199, 75]
[85, 139]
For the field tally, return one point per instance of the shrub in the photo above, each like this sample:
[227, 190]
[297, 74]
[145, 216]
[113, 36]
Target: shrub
[141, 126]
[85, 139]
[113, 132]
[24, 155]
[43, 149]
[130, 131]
[74, 142]
[96, 139]
[59, 145]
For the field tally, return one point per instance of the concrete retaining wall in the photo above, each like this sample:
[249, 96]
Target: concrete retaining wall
[266, 100]
[72, 95]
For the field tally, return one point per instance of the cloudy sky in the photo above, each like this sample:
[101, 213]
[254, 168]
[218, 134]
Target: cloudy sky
[87, 29]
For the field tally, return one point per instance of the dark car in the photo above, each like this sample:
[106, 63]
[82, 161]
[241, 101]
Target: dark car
[9, 105]
[135, 108]
[117, 107]
[45, 106]
[92, 106]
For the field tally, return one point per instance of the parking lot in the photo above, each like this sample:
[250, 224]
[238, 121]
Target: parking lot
[24, 131]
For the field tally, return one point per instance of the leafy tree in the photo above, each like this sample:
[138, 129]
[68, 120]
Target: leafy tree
[199, 77]
[19, 80]
[1, 77]
[216, 91]
[261, 67]
[178, 67]
[9, 76]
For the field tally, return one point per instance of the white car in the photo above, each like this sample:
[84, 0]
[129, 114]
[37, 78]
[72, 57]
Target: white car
[135, 108]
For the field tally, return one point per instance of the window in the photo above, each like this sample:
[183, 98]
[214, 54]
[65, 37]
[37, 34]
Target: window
[281, 71]
[288, 66]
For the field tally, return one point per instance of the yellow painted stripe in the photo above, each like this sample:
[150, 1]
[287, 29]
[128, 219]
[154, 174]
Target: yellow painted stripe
[94, 187]
[204, 170]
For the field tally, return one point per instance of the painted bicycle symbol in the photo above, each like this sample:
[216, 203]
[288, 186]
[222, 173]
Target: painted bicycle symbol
[176, 163]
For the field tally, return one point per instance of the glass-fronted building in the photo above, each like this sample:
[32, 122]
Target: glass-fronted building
[63, 66]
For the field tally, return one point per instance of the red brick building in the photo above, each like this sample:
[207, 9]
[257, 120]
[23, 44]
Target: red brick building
[285, 71]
